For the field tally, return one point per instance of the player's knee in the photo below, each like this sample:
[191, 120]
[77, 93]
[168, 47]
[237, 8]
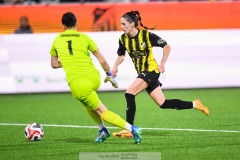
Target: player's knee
[129, 96]
[130, 91]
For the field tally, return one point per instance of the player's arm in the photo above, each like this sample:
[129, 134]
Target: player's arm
[159, 42]
[55, 63]
[106, 68]
[102, 60]
[121, 56]
[166, 51]
[118, 61]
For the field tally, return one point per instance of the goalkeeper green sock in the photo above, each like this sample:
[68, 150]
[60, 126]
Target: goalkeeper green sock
[96, 118]
[113, 119]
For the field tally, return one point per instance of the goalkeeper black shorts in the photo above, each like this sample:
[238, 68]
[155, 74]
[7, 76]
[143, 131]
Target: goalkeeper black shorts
[151, 78]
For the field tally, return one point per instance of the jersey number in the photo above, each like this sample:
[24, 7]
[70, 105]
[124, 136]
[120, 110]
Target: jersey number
[70, 47]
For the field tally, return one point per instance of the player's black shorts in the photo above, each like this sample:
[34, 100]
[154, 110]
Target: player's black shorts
[151, 78]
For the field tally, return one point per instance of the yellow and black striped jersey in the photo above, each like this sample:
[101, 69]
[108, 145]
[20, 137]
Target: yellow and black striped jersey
[139, 49]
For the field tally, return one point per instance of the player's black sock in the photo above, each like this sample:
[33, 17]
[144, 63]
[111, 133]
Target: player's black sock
[131, 108]
[176, 104]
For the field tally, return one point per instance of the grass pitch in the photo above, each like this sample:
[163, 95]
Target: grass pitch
[210, 139]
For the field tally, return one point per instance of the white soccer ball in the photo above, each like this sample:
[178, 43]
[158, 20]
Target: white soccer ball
[34, 132]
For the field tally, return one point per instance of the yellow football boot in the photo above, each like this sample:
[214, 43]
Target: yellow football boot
[123, 134]
[199, 106]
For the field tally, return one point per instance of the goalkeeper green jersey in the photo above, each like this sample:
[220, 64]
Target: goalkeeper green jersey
[72, 48]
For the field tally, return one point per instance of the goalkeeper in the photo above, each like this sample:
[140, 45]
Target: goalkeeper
[70, 51]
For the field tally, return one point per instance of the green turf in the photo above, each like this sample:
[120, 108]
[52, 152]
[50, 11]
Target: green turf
[66, 143]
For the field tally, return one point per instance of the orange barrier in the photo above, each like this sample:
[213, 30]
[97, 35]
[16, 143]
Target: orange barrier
[106, 17]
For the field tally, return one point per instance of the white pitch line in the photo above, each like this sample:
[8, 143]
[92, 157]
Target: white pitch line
[163, 129]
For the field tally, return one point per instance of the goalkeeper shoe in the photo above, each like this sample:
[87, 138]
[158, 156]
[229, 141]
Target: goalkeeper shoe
[123, 134]
[199, 106]
[137, 134]
[103, 135]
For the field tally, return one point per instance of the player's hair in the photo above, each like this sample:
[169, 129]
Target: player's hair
[134, 16]
[69, 19]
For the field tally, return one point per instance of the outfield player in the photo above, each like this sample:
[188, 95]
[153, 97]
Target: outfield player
[70, 50]
[138, 43]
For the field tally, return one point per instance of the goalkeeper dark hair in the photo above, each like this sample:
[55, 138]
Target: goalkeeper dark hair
[134, 16]
[69, 19]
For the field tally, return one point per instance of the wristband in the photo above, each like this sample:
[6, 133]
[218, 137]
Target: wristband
[109, 73]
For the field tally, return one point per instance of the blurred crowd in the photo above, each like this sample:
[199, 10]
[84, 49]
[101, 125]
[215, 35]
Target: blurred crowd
[26, 2]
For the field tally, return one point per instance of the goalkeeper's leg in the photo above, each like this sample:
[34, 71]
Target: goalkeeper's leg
[96, 118]
[116, 120]
[103, 132]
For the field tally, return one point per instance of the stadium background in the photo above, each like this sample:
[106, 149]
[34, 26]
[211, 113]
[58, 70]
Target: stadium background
[204, 37]
[45, 18]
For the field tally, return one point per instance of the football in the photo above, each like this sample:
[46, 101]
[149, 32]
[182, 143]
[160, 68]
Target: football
[34, 132]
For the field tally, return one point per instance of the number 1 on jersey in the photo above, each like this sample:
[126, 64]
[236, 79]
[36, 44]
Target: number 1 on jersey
[70, 47]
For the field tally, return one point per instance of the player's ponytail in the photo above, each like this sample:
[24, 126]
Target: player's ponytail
[134, 16]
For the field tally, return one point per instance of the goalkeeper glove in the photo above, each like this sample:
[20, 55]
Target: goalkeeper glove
[111, 79]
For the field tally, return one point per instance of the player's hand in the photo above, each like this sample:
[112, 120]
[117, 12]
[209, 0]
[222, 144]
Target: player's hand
[161, 68]
[114, 71]
[111, 79]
